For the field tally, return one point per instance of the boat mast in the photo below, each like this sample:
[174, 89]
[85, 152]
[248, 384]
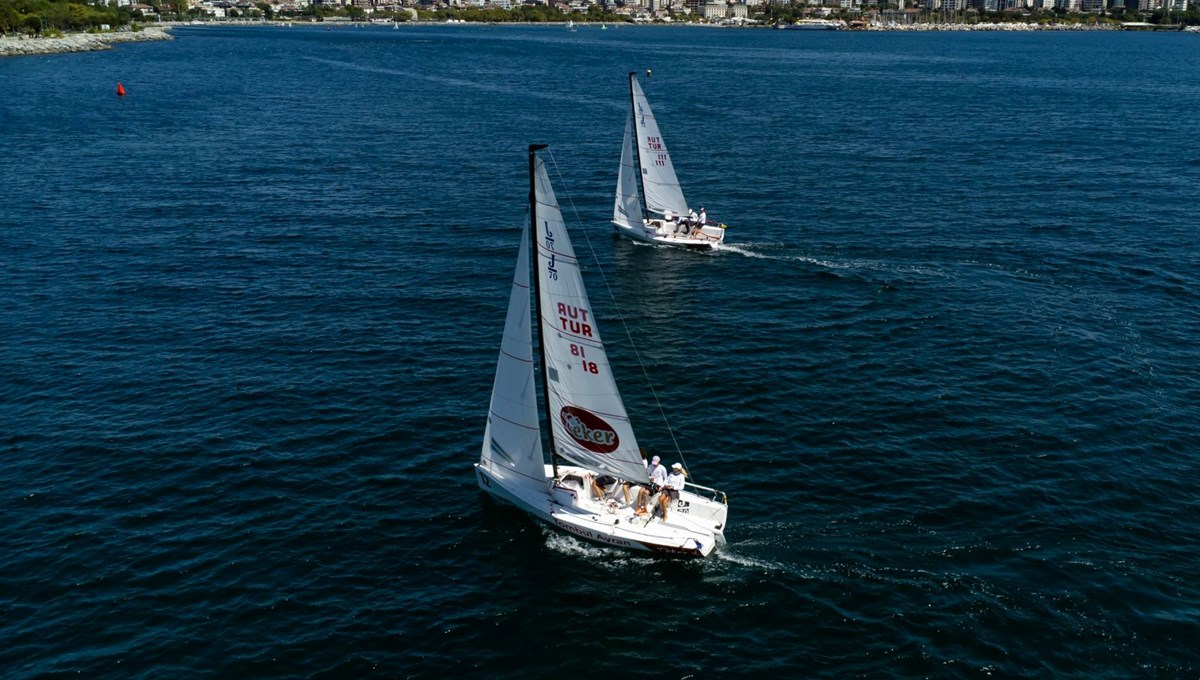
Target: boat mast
[637, 148]
[537, 296]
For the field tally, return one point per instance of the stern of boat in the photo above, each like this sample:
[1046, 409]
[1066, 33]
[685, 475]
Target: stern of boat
[713, 233]
[706, 507]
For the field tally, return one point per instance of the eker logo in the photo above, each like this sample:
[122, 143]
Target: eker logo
[589, 430]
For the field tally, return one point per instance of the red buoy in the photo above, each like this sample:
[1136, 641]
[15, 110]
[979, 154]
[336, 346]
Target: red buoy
[120, 90]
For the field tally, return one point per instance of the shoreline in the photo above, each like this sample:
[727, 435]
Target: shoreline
[11, 46]
[18, 46]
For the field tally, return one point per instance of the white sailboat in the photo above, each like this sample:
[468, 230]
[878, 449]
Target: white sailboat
[589, 427]
[650, 205]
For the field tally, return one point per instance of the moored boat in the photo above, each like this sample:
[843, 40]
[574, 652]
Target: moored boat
[813, 25]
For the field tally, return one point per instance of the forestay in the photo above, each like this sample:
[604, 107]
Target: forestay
[628, 208]
[512, 437]
[588, 420]
[659, 183]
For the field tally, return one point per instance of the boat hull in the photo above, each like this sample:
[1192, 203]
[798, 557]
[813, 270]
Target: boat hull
[566, 504]
[707, 238]
[812, 25]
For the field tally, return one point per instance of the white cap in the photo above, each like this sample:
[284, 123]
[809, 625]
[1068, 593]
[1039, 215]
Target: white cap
[676, 466]
[655, 460]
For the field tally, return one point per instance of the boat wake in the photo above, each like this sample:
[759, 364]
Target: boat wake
[727, 555]
[566, 544]
[735, 248]
[857, 267]
[463, 83]
[746, 250]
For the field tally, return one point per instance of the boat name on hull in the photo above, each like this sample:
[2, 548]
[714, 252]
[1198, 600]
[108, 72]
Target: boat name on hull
[594, 536]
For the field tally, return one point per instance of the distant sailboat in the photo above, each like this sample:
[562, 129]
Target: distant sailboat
[650, 205]
[589, 427]
[570, 25]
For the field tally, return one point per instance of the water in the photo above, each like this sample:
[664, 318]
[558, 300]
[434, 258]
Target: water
[945, 368]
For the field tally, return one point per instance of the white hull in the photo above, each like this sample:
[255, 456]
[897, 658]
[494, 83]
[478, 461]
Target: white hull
[694, 525]
[813, 25]
[671, 234]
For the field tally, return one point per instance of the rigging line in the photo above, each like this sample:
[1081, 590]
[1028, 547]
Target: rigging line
[637, 355]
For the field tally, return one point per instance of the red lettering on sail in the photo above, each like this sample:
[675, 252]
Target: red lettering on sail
[581, 329]
[572, 311]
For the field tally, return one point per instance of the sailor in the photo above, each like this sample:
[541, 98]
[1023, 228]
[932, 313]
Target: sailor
[658, 479]
[657, 474]
[668, 216]
[600, 484]
[692, 217]
[674, 486]
[703, 216]
[640, 492]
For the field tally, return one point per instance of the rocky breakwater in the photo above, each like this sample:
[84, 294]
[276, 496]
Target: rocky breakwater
[11, 46]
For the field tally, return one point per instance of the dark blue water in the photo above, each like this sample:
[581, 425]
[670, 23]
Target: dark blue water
[946, 372]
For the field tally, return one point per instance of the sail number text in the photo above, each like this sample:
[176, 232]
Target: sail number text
[574, 320]
[655, 144]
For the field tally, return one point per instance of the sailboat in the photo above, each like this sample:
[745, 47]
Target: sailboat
[650, 205]
[590, 436]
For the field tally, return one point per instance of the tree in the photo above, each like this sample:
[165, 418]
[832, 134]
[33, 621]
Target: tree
[9, 19]
[33, 24]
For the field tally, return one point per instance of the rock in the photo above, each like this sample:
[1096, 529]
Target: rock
[78, 42]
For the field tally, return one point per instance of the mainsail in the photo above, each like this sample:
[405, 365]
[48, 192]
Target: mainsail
[627, 211]
[588, 420]
[512, 437]
[659, 183]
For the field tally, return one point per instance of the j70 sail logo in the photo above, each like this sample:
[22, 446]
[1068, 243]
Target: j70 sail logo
[589, 430]
[550, 270]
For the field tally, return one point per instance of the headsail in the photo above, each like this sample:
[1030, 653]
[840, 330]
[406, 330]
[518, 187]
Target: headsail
[628, 208]
[587, 417]
[659, 182]
[512, 437]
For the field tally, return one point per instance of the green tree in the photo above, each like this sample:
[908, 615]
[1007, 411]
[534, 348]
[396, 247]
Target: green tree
[32, 24]
[9, 19]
